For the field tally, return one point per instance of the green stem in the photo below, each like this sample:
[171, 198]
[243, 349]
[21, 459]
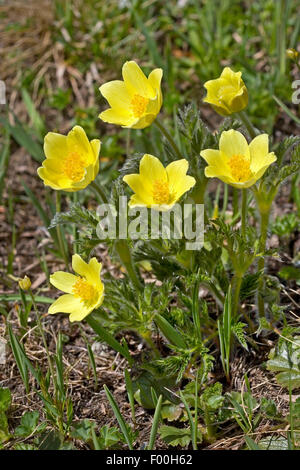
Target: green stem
[235, 201]
[168, 137]
[61, 242]
[39, 323]
[264, 222]
[128, 142]
[247, 123]
[75, 233]
[126, 258]
[147, 337]
[99, 192]
[236, 295]
[244, 211]
[225, 198]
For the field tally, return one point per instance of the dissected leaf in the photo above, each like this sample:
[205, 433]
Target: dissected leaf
[286, 360]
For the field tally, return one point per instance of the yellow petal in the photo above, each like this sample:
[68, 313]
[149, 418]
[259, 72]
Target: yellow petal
[233, 143]
[55, 145]
[66, 303]
[142, 122]
[140, 186]
[231, 76]
[259, 149]
[214, 159]
[79, 315]
[116, 93]
[78, 142]
[216, 172]
[55, 180]
[155, 81]
[94, 271]
[268, 160]
[179, 183]
[184, 185]
[151, 169]
[137, 201]
[135, 80]
[96, 146]
[80, 266]
[63, 281]
[113, 116]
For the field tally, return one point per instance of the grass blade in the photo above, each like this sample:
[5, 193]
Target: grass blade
[119, 416]
[155, 423]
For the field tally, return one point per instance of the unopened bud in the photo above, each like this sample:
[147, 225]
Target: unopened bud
[292, 54]
[25, 283]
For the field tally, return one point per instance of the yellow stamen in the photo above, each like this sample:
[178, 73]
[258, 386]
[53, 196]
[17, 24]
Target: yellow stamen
[74, 167]
[240, 168]
[161, 192]
[139, 105]
[83, 290]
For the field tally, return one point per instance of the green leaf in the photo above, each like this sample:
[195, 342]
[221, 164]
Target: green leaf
[286, 360]
[105, 336]
[169, 332]
[175, 436]
[251, 443]
[5, 399]
[109, 437]
[5, 402]
[35, 117]
[124, 428]
[171, 412]
[24, 139]
[28, 424]
[82, 430]
[142, 389]
[52, 440]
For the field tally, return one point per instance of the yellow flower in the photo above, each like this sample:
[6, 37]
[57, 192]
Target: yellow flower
[237, 163]
[292, 54]
[25, 283]
[228, 93]
[159, 187]
[134, 102]
[84, 292]
[72, 162]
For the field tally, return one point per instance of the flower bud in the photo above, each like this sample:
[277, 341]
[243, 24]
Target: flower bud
[228, 93]
[25, 283]
[292, 54]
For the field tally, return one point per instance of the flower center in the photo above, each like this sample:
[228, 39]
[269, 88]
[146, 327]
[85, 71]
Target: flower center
[240, 168]
[161, 192]
[139, 105]
[83, 290]
[74, 167]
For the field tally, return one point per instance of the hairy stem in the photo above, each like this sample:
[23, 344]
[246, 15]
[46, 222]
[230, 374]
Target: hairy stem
[126, 258]
[168, 136]
[61, 243]
[99, 191]
[264, 222]
[247, 123]
[244, 211]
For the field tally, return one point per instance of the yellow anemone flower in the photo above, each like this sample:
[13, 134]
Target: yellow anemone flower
[159, 187]
[84, 292]
[72, 162]
[237, 163]
[134, 102]
[228, 93]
